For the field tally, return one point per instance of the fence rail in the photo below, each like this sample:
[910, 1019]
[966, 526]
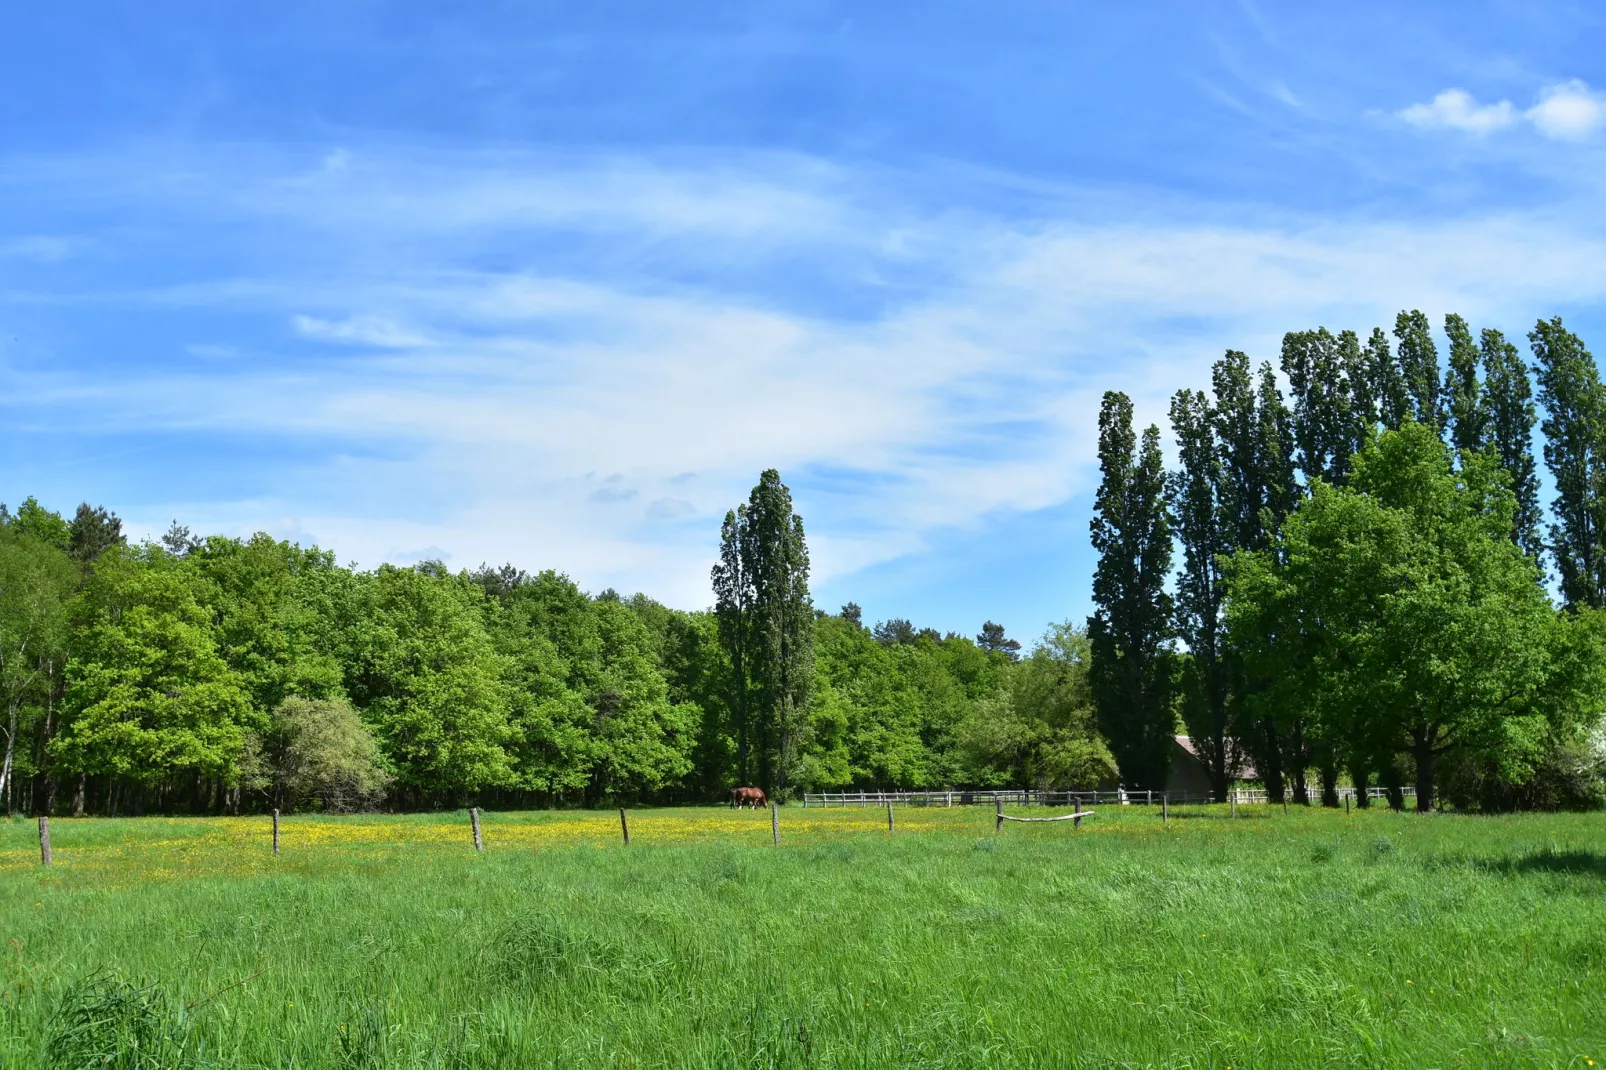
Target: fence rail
[1014, 797]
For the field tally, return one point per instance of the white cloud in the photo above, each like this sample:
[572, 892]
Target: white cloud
[1568, 111]
[359, 330]
[1457, 110]
[557, 416]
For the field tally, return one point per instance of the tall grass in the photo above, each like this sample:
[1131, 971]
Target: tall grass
[1312, 940]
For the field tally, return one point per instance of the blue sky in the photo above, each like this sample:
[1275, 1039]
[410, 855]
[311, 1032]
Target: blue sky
[552, 283]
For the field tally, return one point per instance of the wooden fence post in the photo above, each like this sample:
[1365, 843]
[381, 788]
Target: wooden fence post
[275, 834]
[474, 823]
[1346, 806]
[775, 823]
[889, 817]
[998, 826]
[1234, 801]
[44, 840]
[624, 825]
[1285, 806]
[1165, 808]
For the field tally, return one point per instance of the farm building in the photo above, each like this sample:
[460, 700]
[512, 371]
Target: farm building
[1188, 774]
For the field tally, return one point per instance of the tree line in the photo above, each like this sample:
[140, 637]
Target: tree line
[214, 674]
[1363, 589]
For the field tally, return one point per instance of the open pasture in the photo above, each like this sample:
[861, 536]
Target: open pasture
[1316, 939]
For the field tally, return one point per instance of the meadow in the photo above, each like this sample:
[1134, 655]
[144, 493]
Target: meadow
[1313, 939]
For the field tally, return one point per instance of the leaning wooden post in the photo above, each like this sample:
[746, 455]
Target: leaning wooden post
[1165, 808]
[44, 840]
[624, 825]
[889, 817]
[474, 822]
[998, 826]
[275, 834]
[775, 823]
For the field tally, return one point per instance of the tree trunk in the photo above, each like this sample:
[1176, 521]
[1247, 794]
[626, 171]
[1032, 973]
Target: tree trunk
[1297, 765]
[1391, 782]
[78, 797]
[1273, 773]
[1362, 777]
[1329, 773]
[1426, 759]
[11, 747]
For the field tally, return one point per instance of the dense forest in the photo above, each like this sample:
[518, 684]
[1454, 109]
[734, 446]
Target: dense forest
[1370, 588]
[1353, 582]
[215, 674]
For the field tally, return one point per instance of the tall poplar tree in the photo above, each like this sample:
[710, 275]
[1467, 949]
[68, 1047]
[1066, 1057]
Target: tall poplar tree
[1314, 364]
[1508, 403]
[1203, 520]
[766, 616]
[1132, 668]
[1388, 382]
[733, 608]
[1275, 455]
[1575, 417]
[1419, 367]
[1242, 492]
[1463, 400]
[1362, 414]
[1257, 729]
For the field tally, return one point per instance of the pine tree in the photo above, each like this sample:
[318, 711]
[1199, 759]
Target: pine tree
[92, 532]
[1132, 668]
[1508, 402]
[1203, 522]
[1575, 418]
[1419, 367]
[1468, 416]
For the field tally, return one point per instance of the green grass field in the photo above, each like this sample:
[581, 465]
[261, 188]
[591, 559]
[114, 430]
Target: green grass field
[1310, 940]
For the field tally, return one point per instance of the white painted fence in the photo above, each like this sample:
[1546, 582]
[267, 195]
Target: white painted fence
[1014, 797]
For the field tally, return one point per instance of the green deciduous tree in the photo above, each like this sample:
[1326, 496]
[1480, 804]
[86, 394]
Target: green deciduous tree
[36, 580]
[1133, 667]
[422, 669]
[315, 752]
[148, 696]
[1397, 614]
[1039, 729]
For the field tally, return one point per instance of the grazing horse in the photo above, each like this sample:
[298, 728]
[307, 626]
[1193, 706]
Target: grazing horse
[748, 796]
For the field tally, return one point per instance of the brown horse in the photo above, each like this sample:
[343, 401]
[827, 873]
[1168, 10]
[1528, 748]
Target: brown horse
[748, 796]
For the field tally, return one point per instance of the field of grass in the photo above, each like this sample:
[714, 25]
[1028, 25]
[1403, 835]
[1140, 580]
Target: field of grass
[1309, 940]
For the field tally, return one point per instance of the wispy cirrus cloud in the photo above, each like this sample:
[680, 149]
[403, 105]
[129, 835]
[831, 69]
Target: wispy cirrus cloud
[488, 393]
